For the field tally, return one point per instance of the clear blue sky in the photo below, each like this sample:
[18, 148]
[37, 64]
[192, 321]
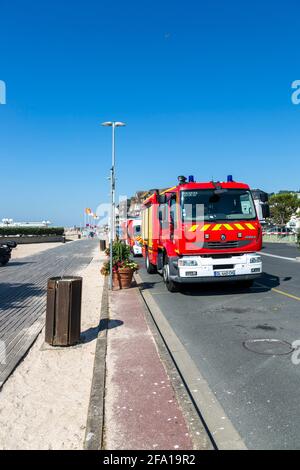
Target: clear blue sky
[204, 87]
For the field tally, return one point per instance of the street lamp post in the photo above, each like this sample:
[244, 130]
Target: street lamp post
[113, 125]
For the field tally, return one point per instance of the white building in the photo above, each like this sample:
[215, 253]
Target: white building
[11, 223]
[294, 222]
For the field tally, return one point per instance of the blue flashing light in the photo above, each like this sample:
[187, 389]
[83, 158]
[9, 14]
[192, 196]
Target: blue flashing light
[191, 179]
[229, 179]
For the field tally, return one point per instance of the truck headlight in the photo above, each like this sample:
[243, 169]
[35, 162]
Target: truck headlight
[255, 259]
[187, 262]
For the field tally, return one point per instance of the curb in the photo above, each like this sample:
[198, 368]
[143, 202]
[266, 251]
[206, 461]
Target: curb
[95, 419]
[218, 426]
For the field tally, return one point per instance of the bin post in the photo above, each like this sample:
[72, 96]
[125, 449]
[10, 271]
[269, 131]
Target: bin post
[63, 314]
[102, 245]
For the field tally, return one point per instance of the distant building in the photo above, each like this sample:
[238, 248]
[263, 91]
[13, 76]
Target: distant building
[135, 203]
[137, 200]
[12, 223]
[294, 222]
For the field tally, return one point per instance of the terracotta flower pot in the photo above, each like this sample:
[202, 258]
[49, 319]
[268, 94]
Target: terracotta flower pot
[122, 278]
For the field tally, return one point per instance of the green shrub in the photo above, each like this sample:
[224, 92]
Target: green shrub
[121, 251]
[121, 258]
[31, 231]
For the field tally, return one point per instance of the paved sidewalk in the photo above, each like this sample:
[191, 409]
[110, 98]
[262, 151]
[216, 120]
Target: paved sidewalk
[141, 409]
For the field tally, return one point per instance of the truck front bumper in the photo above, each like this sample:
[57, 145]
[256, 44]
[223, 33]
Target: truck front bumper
[204, 279]
[198, 269]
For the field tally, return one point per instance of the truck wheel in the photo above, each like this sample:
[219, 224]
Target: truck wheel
[150, 268]
[4, 260]
[170, 285]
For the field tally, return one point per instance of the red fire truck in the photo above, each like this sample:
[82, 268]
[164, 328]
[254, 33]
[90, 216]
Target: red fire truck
[202, 232]
[133, 236]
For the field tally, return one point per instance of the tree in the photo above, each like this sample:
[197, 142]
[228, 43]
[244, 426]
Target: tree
[283, 206]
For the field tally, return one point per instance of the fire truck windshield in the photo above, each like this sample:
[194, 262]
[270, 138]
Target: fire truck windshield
[224, 204]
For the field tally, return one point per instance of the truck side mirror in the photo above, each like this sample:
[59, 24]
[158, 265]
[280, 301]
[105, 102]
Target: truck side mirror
[264, 197]
[265, 211]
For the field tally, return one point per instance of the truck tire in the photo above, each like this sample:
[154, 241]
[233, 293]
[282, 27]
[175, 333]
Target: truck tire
[170, 285]
[150, 268]
[4, 260]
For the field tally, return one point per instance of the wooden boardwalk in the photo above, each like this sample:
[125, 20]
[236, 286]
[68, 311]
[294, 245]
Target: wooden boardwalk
[23, 286]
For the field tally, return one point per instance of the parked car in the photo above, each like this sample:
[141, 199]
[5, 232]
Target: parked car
[5, 252]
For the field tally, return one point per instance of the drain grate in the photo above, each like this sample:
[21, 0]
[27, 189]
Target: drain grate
[269, 347]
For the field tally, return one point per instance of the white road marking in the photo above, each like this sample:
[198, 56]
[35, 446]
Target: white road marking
[281, 257]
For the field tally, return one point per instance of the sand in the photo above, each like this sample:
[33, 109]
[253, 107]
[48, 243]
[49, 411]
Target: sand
[44, 403]
[31, 249]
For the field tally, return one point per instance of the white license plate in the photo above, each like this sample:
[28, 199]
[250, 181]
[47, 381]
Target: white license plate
[224, 273]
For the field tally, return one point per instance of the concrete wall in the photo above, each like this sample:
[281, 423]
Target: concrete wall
[280, 238]
[33, 239]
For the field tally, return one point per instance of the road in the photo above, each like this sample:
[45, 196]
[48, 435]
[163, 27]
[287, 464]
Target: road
[23, 286]
[259, 392]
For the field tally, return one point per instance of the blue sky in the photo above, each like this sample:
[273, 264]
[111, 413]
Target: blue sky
[204, 87]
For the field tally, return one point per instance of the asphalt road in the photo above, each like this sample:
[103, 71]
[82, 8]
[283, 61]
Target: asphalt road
[260, 393]
[23, 285]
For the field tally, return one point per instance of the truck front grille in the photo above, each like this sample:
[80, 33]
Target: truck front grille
[231, 244]
[217, 245]
[223, 266]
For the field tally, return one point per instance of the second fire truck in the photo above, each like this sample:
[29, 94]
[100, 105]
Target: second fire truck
[132, 236]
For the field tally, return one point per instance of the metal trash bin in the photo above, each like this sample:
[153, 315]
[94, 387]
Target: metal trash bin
[102, 245]
[63, 314]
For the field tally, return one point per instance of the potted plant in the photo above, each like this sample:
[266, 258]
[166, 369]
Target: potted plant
[123, 273]
[123, 266]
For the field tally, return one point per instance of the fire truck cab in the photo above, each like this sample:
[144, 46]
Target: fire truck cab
[133, 236]
[202, 232]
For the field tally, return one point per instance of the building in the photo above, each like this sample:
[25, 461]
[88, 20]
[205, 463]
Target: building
[11, 223]
[135, 203]
[137, 200]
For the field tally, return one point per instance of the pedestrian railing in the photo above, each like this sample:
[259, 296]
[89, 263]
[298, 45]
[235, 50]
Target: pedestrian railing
[280, 237]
